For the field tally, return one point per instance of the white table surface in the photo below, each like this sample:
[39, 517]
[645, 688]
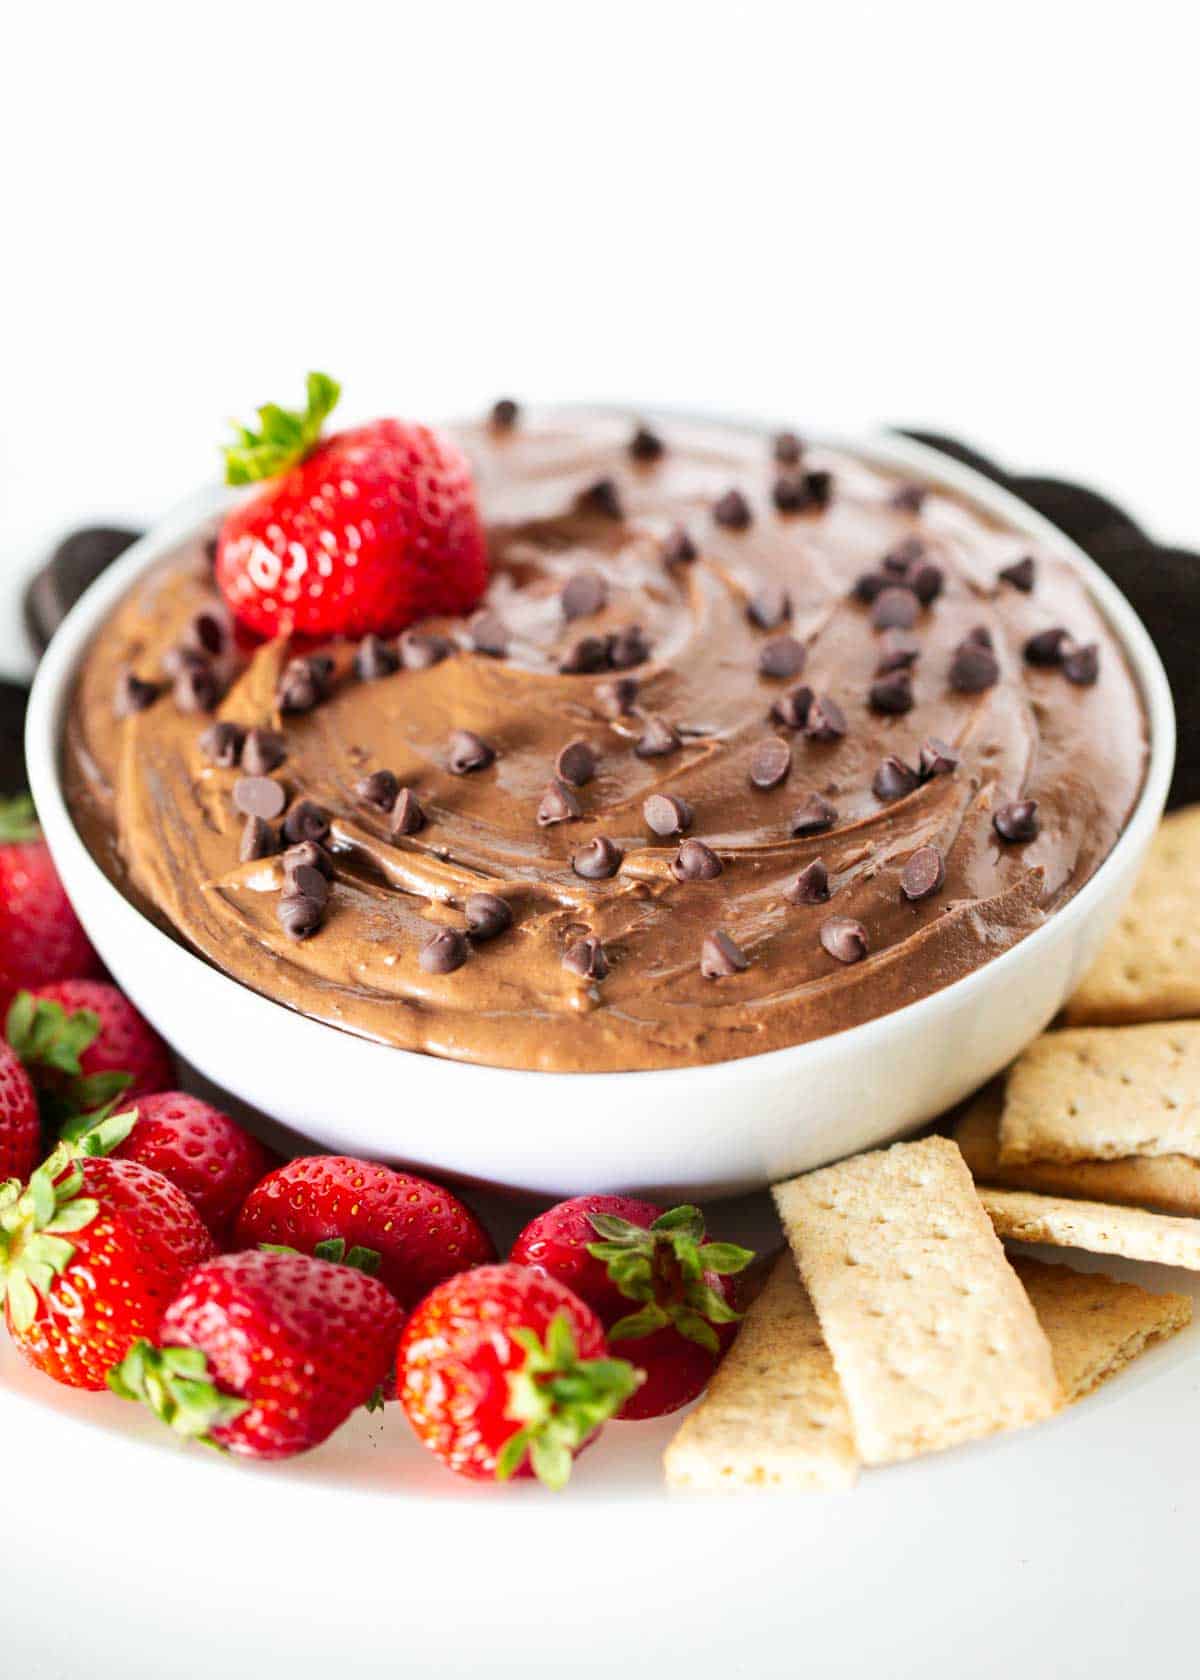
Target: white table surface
[978, 221]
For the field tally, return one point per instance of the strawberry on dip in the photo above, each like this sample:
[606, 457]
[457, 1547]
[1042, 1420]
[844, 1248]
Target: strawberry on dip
[361, 532]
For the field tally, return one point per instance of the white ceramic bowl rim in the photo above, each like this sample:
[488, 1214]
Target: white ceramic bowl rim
[55, 675]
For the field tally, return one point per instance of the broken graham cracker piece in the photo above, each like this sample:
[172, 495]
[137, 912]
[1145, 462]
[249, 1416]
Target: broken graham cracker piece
[1100, 1093]
[1096, 1325]
[1024, 1217]
[774, 1415]
[1169, 1183]
[1149, 967]
[933, 1338]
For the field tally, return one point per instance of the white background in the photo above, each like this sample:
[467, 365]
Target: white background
[977, 217]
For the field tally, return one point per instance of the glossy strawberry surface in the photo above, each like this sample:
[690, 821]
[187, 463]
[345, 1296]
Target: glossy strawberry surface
[207, 1155]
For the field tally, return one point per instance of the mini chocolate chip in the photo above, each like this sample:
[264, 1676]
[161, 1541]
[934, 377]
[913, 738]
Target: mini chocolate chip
[678, 548]
[899, 652]
[892, 694]
[576, 762]
[443, 951]
[1082, 664]
[787, 448]
[973, 668]
[770, 763]
[559, 804]
[305, 821]
[1021, 574]
[981, 636]
[1046, 647]
[869, 586]
[488, 915]
[923, 874]
[818, 488]
[826, 720]
[1018, 821]
[379, 788]
[134, 694]
[259, 796]
[589, 653]
[769, 607]
[792, 710]
[299, 916]
[790, 493]
[489, 634]
[720, 956]
[375, 658]
[811, 886]
[895, 609]
[196, 689]
[666, 814]
[305, 880]
[909, 498]
[258, 841]
[505, 414]
[694, 861]
[586, 958]
[583, 594]
[733, 511]
[599, 860]
[784, 657]
[617, 698]
[646, 445]
[627, 648]
[467, 751]
[418, 652]
[262, 752]
[302, 685]
[893, 779]
[602, 497]
[658, 738]
[223, 743]
[937, 759]
[844, 939]
[208, 632]
[926, 582]
[814, 816]
[307, 854]
[408, 815]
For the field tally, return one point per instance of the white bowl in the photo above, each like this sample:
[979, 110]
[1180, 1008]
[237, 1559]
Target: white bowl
[704, 1131]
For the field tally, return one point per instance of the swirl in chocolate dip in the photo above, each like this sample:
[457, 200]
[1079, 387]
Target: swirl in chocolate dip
[716, 701]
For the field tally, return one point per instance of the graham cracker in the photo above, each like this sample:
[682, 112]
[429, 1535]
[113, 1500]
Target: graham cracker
[774, 1415]
[1095, 1324]
[1149, 967]
[933, 1338]
[1099, 1093]
[1169, 1183]
[1025, 1217]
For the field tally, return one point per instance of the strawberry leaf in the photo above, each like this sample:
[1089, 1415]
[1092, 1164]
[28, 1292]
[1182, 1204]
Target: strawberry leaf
[284, 436]
[663, 1266]
[558, 1401]
[18, 820]
[175, 1383]
[35, 1221]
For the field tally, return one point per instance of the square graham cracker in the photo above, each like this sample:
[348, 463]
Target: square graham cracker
[933, 1338]
[1096, 1325]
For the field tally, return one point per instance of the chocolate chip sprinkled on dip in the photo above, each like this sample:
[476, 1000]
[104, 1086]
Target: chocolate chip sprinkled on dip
[157, 812]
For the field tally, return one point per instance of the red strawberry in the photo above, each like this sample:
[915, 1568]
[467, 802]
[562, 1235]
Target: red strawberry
[504, 1372]
[421, 1232]
[88, 1030]
[40, 935]
[213, 1160]
[265, 1354]
[19, 1128]
[91, 1253]
[620, 1254]
[362, 531]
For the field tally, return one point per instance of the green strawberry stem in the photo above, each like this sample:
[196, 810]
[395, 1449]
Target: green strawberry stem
[559, 1400]
[360, 1259]
[175, 1383]
[50, 1043]
[98, 1133]
[18, 820]
[35, 1221]
[662, 1267]
[285, 435]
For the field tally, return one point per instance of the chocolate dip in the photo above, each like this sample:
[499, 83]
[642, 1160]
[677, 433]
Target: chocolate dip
[812, 669]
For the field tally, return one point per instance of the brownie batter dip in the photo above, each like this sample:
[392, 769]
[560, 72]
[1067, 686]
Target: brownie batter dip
[749, 742]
